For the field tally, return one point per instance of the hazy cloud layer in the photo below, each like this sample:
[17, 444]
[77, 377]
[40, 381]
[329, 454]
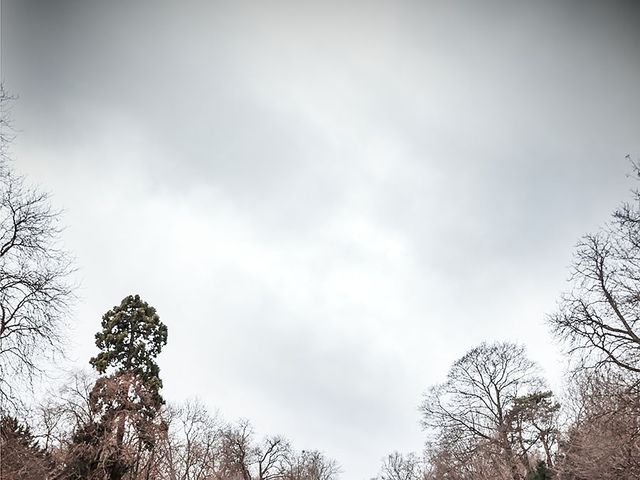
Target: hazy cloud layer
[327, 203]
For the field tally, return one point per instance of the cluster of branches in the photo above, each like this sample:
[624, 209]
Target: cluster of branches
[117, 426]
[493, 418]
[35, 290]
[188, 443]
[599, 318]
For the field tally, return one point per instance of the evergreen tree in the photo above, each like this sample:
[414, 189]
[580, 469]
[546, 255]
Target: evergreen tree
[131, 338]
[533, 425]
[540, 473]
[125, 402]
[21, 458]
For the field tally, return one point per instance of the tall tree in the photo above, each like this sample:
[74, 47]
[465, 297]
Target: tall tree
[35, 290]
[470, 409]
[599, 318]
[125, 403]
[533, 427]
[131, 338]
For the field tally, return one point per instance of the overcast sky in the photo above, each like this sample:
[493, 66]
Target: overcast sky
[327, 202]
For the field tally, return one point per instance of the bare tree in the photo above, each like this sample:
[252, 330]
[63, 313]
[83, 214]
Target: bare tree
[50, 425]
[470, 408]
[35, 292]
[603, 439]
[75, 430]
[397, 466]
[189, 451]
[599, 318]
[239, 457]
[271, 458]
[454, 462]
[310, 465]
[237, 452]
[63, 410]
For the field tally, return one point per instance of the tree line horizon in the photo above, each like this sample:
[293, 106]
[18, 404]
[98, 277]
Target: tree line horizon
[493, 417]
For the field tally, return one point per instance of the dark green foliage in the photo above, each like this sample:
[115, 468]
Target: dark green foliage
[132, 336]
[533, 425]
[540, 473]
[12, 431]
[21, 456]
[537, 409]
[83, 455]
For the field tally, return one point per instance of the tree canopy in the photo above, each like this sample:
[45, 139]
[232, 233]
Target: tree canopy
[131, 338]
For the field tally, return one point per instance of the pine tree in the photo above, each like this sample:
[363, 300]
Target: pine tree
[132, 336]
[540, 473]
[21, 458]
[125, 401]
